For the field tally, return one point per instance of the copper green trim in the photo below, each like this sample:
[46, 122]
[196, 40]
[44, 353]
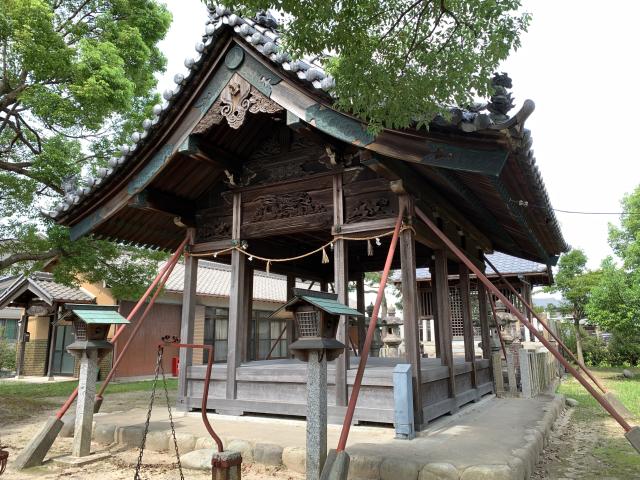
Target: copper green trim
[143, 177]
[338, 125]
[452, 157]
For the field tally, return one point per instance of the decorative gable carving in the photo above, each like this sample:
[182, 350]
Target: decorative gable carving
[235, 100]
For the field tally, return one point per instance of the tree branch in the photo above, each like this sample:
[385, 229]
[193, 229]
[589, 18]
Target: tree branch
[27, 256]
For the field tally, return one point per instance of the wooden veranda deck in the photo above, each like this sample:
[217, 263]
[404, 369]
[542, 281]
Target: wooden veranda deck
[278, 387]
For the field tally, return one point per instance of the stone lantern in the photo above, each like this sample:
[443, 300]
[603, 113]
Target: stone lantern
[509, 322]
[317, 316]
[91, 324]
[391, 337]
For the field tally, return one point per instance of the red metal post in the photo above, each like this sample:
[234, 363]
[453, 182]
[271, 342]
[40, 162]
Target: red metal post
[491, 287]
[546, 327]
[205, 393]
[355, 390]
[163, 274]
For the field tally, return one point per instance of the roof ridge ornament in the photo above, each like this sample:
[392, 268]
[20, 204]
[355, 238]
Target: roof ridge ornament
[502, 100]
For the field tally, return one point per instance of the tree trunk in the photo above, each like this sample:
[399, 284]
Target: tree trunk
[576, 323]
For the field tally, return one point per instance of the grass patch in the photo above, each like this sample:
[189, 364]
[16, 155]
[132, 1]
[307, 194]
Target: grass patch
[626, 389]
[19, 400]
[621, 459]
[62, 389]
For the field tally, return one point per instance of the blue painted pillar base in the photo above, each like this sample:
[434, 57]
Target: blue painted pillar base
[403, 402]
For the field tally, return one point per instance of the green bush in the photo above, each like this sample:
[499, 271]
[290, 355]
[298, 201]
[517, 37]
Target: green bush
[7, 353]
[624, 349]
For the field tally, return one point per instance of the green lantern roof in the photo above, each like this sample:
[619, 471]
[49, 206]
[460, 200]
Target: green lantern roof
[325, 301]
[97, 314]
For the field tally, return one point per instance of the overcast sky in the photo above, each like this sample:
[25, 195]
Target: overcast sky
[579, 64]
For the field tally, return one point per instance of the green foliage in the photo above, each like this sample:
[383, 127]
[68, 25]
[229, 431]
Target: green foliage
[7, 353]
[397, 62]
[75, 78]
[615, 300]
[624, 349]
[574, 282]
[595, 351]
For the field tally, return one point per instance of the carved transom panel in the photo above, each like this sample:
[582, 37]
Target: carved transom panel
[235, 100]
[274, 207]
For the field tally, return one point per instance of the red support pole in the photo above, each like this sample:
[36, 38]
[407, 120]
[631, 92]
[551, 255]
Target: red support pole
[546, 327]
[355, 390]
[491, 287]
[163, 274]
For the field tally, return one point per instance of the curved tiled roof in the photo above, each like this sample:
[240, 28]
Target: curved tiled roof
[43, 285]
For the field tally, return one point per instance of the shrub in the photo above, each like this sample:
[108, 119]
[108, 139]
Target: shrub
[594, 350]
[7, 353]
[624, 349]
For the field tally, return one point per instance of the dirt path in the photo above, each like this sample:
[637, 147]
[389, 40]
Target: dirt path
[120, 466]
[593, 450]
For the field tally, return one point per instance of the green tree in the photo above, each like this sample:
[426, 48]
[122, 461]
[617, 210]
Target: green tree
[398, 62]
[575, 283]
[615, 303]
[75, 77]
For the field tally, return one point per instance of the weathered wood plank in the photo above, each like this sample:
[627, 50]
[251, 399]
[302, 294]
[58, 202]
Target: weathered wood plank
[444, 316]
[341, 285]
[187, 324]
[467, 320]
[484, 321]
[410, 307]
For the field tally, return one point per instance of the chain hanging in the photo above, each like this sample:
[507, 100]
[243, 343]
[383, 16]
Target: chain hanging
[159, 369]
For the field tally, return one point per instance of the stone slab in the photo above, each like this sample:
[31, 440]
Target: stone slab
[336, 467]
[33, 454]
[70, 460]
[633, 436]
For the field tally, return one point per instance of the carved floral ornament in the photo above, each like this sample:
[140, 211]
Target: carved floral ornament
[235, 100]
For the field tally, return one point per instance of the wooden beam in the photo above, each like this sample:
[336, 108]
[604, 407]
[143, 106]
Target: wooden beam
[155, 201]
[187, 325]
[434, 307]
[410, 308]
[200, 147]
[484, 321]
[467, 322]
[361, 307]
[444, 319]
[247, 313]
[236, 303]
[365, 227]
[428, 199]
[291, 284]
[341, 285]
[206, 247]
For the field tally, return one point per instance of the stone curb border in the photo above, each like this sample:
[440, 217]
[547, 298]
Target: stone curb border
[196, 453]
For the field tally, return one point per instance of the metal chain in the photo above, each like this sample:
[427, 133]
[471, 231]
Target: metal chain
[136, 475]
[173, 430]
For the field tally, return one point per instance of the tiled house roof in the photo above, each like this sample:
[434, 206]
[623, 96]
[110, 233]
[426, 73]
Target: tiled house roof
[43, 286]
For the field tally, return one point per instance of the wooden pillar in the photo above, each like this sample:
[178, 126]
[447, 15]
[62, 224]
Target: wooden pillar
[435, 334]
[290, 334]
[52, 341]
[187, 324]
[341, 287]
[24, 323]
[467, 322]
[236, 303]
[361, 307]
[484, 321]
[410, 309]
[444, 318]
[247, 313]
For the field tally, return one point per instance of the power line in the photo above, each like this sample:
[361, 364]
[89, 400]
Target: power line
[525, 204]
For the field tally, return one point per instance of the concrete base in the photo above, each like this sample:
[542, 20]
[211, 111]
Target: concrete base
[633, 436]
[336, 467]
[33, 454]
[617, 404]
[226, 466]
[70, 460]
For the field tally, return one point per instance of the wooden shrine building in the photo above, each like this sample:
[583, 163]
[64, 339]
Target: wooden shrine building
[248, 158]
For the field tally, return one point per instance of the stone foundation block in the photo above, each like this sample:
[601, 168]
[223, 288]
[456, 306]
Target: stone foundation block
[336, 467]
[186, 442]
[208, 442]
[130, 436]
[267, 454]
[487, 472]
[104, 433]
[393, 469]
[69, 421]
[227, 473]
[242, 446]
[158, 441]
[439, 471]
[517, 469]
[197, 459]
[364, 467]
[294, 458]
